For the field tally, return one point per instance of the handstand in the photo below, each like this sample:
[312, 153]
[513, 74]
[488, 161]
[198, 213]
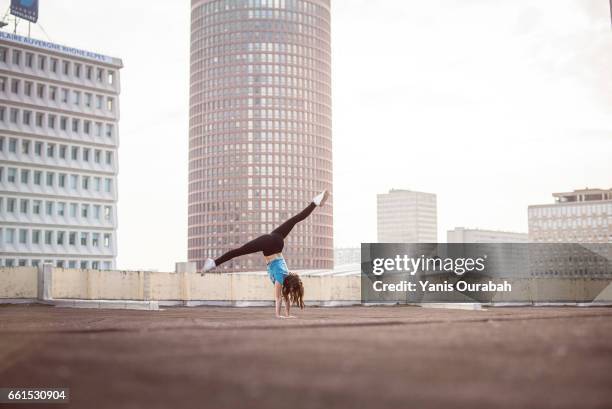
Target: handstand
[287, 285]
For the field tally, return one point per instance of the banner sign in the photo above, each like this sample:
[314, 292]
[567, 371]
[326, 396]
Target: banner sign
[486, 273]
[25, 9]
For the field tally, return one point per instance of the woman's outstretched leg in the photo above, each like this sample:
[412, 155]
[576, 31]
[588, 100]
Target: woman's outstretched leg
[252, 246]
[284, 229]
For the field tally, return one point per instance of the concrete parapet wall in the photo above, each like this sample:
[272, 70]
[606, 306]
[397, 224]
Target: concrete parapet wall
[185, 287]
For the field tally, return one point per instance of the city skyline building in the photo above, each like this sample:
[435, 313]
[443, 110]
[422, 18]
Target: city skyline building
[59, 139]
[465, 235]
[260, 142]
[581, 216]
[405, 216]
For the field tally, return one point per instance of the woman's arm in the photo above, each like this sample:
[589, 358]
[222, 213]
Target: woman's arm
[278, 297]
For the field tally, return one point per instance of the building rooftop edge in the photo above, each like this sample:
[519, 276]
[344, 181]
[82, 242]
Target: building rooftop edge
[60, 49]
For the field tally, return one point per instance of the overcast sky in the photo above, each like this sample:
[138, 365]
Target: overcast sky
[491, 104]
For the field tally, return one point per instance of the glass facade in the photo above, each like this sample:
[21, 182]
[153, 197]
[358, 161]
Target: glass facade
[260, 143]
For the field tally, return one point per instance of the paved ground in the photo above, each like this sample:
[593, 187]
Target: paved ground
[390, 357]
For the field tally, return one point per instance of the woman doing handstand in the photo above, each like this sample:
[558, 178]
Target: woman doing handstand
[287, 286]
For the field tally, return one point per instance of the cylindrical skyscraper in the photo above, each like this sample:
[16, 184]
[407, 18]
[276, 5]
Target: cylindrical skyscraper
[260, 143]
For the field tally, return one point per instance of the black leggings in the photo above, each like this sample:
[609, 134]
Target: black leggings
[268, 243]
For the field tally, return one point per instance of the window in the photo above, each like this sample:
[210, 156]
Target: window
[3, 54]
[27, 89]
[16, 57]
[25, 147]
[74, 181]
[40, 91]
[65, 93]
[37, 177]
[15, 86]
[85, 182]
[86, 154]
[66, 67]
[75, 153]
[14, 115]
[10, 236]
[73, 210]
[84, 211]
[109, 130]
[109, 158]
[97, 212]
[61, 180]
[108, 185]
[98, 129]
[49, 208]
[51, 121]
[13, 145]
[35, 236]
[76, 98]
[62, 151]
[23, 236]
[107, 212]
[95, 239]
[27, 116]
[54, 63]
[52, 93]
[50, 178]
[36, 205]
[50, 150]
[38, 146]
[111, 77]
[109, 104]
[12, 175]
[60, 238]
[87, 127]
[83, 265]
[84, 237]
[99, 74]
[98, 183]
[40, 118]
[88, 98]
[72, 238]
[64, 123]
[29, 60]
[61, 209]
[48, 237]
[89, 72]
[75, 125]
[42, 62]
[98, 101]
[25, 176]
[10, 205]
[97, 155]
[24, 204]
[3, 82]
[107, 240]
[77, 70]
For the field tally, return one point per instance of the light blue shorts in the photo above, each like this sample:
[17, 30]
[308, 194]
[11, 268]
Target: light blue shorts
[277, 270]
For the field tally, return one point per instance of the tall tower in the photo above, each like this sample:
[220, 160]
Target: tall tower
[405, 216]
[260, 144]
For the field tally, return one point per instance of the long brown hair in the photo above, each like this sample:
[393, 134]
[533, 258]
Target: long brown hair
[293, 290]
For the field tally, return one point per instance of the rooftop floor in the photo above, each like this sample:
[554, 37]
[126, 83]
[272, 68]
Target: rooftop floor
[361, 357]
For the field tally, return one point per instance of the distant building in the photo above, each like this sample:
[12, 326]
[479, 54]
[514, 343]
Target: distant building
[59, 139]
[581, 216]
[347, 255]
[405, 216]
[463, 235]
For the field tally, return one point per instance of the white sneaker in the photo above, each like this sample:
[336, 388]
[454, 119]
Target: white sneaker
[321, 198]
[209, 264]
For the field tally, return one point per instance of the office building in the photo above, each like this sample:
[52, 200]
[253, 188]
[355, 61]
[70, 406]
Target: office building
[463, 235]
[59, 113]
[260, 143]
[405, 216]
[581, 216]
